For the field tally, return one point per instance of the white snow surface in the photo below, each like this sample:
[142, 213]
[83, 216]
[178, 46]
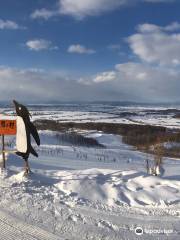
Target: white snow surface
[107, 114]
[88, 193]
[117, 114]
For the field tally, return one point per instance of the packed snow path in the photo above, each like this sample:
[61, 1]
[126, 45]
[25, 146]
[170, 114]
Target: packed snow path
[13, 229]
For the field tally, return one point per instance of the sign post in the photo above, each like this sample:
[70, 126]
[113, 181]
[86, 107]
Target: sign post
[3, 153]
[7, 127]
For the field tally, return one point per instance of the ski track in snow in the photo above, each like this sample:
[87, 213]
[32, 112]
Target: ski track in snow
[11, 229]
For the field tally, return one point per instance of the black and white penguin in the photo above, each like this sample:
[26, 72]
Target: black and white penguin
[25, 129]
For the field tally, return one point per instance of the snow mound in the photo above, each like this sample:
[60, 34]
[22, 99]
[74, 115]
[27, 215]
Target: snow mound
[130, 188]
[102, 187]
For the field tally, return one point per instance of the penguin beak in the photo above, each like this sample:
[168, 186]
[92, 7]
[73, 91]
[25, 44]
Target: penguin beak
[15, 103]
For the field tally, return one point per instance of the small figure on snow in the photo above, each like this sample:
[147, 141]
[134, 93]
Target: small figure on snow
[25, 129]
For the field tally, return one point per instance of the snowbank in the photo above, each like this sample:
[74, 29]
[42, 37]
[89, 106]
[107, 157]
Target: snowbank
[119, 187]
[102, 186]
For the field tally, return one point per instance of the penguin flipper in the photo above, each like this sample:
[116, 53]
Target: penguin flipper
[34, 133]
[33, 152]
[20, 154]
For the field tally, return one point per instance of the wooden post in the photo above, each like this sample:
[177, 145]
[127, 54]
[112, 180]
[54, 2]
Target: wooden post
[3, 153]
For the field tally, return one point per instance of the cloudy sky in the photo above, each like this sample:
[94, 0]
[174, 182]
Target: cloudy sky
[77, 50]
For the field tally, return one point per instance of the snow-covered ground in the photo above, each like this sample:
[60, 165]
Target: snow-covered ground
[159, 115]
[83, 117]
[78, 192]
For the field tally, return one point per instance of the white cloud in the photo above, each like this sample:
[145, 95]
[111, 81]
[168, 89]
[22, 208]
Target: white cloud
[80, 9]
[138, 82]
[40, 44]
[105, 77]
[8, 24]
[80, 49]
[30, 84]
[134, 71]
[156, 44]
[43, 13]
[146, 27]
[33, 85]
[172, 27]
[153, 77]
[127, 81]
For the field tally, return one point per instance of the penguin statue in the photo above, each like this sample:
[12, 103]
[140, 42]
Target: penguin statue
[25, 129]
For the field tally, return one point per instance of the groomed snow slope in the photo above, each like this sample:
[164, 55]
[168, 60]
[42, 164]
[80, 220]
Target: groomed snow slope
[91, 203]
[82, 193]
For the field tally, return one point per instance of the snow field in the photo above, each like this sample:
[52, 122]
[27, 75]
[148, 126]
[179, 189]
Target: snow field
[69, 196]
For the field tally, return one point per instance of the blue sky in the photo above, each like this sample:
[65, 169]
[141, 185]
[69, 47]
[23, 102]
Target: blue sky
[76, 50]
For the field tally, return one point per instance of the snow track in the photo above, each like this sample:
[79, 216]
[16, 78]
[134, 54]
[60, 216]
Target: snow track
[11, 229]
[121, 225]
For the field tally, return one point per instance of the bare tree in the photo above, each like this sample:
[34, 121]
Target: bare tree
[158, 158]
